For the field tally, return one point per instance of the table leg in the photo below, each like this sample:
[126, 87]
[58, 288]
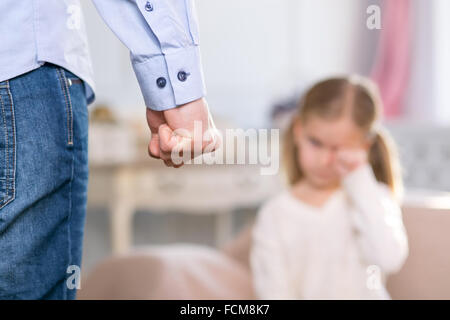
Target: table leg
[224, 227]
[122, 211]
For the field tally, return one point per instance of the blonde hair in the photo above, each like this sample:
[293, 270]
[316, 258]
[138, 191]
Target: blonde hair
[333, 98]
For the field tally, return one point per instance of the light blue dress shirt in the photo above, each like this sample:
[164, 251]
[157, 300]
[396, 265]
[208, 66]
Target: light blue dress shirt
[162, 36]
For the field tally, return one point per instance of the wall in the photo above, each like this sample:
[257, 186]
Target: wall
[254, 52]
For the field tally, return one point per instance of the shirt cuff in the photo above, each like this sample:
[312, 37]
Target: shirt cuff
[171, 79]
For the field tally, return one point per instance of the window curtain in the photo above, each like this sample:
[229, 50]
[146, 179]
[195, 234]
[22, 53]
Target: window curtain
[392, 62]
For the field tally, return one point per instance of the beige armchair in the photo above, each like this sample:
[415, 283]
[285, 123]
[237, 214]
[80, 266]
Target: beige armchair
[182, 271]
[176, 271]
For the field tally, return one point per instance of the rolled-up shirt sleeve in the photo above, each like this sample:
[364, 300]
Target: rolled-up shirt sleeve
[163, 39]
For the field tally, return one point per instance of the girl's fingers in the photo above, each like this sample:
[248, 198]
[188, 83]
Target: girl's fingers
[341, 170]
[350, 159]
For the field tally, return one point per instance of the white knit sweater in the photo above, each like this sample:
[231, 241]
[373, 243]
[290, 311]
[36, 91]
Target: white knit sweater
[343, 250]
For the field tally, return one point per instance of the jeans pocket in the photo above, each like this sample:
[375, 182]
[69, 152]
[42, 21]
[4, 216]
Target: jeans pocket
[65, 83]
[72, 79]
[7, 146]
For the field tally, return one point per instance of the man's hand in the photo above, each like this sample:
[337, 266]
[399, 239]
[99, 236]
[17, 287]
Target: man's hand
[174, 128]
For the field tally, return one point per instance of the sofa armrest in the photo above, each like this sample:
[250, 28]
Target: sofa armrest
[178, 271]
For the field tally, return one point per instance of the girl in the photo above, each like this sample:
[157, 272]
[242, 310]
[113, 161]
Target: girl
[337, 230]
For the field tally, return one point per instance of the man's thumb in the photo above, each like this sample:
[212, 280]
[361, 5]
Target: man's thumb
[167, 140]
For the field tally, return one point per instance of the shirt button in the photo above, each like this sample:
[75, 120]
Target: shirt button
[161, 82]
[148, 6]
[182, 76]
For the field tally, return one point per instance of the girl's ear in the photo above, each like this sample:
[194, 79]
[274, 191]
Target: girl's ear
[369, 141]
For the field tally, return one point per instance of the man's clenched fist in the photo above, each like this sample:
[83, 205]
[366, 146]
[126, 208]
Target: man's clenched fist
[173, 130]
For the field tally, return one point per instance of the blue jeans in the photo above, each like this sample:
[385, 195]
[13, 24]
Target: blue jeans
[43, 183]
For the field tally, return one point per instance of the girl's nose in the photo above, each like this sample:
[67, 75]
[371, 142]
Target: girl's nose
[330, 156]
[326, 158]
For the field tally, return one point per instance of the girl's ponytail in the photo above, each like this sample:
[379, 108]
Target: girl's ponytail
[384, 161]
[292, 169]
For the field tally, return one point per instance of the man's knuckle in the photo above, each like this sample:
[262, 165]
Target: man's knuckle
[165, 148]
[151, 153]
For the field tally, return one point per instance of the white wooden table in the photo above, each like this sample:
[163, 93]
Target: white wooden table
[149, 185]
